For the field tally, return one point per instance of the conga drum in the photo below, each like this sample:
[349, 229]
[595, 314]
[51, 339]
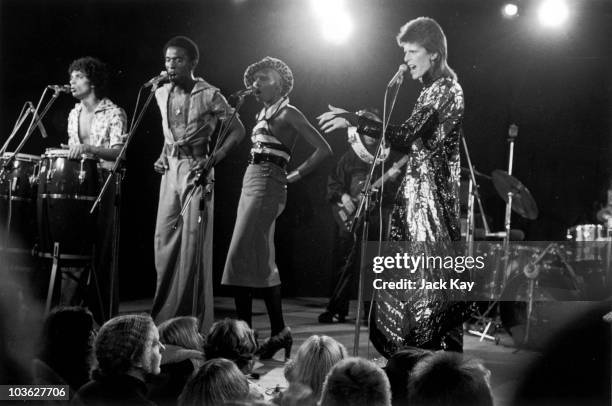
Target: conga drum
[17, 202]
[67, 189]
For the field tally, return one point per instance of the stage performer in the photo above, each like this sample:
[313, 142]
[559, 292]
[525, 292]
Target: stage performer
[427, 204]
[191, 109]
[251, 259]
[344, 187]
[97, 127]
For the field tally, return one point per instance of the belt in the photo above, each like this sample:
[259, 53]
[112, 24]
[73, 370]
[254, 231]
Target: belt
[260, 158]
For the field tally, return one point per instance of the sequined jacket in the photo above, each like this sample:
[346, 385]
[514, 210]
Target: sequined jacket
[427, 203]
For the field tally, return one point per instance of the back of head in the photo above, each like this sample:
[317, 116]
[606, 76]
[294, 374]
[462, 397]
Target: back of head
[356, 381]
[181, 331]
[231, 339]
[313, 360]
[218, 381]
[398, 370]
[447, 378]
[121, 343]
[66, 343]
[427, 33]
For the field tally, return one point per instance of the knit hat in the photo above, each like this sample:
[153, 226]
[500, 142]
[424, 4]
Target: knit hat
[121, 341]
[273, 63]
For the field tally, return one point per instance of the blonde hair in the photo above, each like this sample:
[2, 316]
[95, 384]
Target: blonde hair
[181, 331]
[313, 360]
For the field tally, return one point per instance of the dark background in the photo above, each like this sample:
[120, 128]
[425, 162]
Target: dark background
[554, 84]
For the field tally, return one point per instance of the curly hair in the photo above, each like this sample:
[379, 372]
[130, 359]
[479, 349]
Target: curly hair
[185, 43]
[95, 70]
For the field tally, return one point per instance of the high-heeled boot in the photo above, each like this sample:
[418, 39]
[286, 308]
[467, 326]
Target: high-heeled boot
[275, 343]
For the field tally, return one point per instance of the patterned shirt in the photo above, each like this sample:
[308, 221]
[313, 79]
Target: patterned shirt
[108, 125]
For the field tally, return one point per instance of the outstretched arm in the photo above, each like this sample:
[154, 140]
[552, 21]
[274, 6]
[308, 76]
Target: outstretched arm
[304, 129]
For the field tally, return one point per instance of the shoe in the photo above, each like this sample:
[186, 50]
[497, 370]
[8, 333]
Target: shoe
[282, 340]
[328, 317]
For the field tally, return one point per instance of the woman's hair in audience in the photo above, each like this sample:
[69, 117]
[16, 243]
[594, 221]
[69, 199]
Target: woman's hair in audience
[218, 381]
[356, 382]
[447, 378]
[181, 331]
[66, 343]
[231, 339]
[313, 360]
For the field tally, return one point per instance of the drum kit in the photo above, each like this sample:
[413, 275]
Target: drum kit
[531, 282]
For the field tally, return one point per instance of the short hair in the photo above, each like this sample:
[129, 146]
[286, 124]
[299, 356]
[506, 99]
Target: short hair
[427, 33]
[121, 343]
[398, 370]
[447, 378]
[356, 381]
[313, 360]
[66, 343]
[232, 339]
[181, 331]
[95, 70]
[190, 47]
[218, 381]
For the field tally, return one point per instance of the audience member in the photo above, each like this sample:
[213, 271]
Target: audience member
[576, 365]
[181, 359]
[217, 382]
[313, 360]
[398, 370]
[127, 351]
[448, 378]
[356, 382]
[65, 353]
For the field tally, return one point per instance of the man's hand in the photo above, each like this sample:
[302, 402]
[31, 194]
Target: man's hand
[161, 165]
[347, 202]
[199, 164]
[75, 151]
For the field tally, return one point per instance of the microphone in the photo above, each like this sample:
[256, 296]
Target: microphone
[59, 88]
[398, 78]
[159, 79]
[244, 92]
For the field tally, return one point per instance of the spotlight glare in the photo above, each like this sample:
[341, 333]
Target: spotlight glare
[338, 29]
[326, 8]
[553, 13]
[510, 10]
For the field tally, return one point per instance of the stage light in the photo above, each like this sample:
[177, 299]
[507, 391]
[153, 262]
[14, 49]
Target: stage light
[510, 10]
[338, 30]
[553, 13]
[335, 22]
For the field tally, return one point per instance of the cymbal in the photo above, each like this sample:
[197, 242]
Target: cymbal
[522, 201]
[476, 173]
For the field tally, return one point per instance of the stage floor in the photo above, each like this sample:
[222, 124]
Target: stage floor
[504, 360]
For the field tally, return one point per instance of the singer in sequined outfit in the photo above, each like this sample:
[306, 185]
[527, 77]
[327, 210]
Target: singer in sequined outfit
[427, 204]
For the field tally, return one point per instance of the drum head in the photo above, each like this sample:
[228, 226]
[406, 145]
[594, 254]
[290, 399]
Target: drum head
[552, 296]
[21, 157]
[63, 153]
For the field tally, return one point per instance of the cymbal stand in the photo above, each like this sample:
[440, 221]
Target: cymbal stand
[512, 134]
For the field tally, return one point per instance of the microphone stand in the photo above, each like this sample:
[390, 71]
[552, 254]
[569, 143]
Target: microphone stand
[23, 115]
[117, 173]
[36, 120]
[363, 210]
[201, 183]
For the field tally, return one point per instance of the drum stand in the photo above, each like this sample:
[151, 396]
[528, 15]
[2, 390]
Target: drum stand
[56, 258]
